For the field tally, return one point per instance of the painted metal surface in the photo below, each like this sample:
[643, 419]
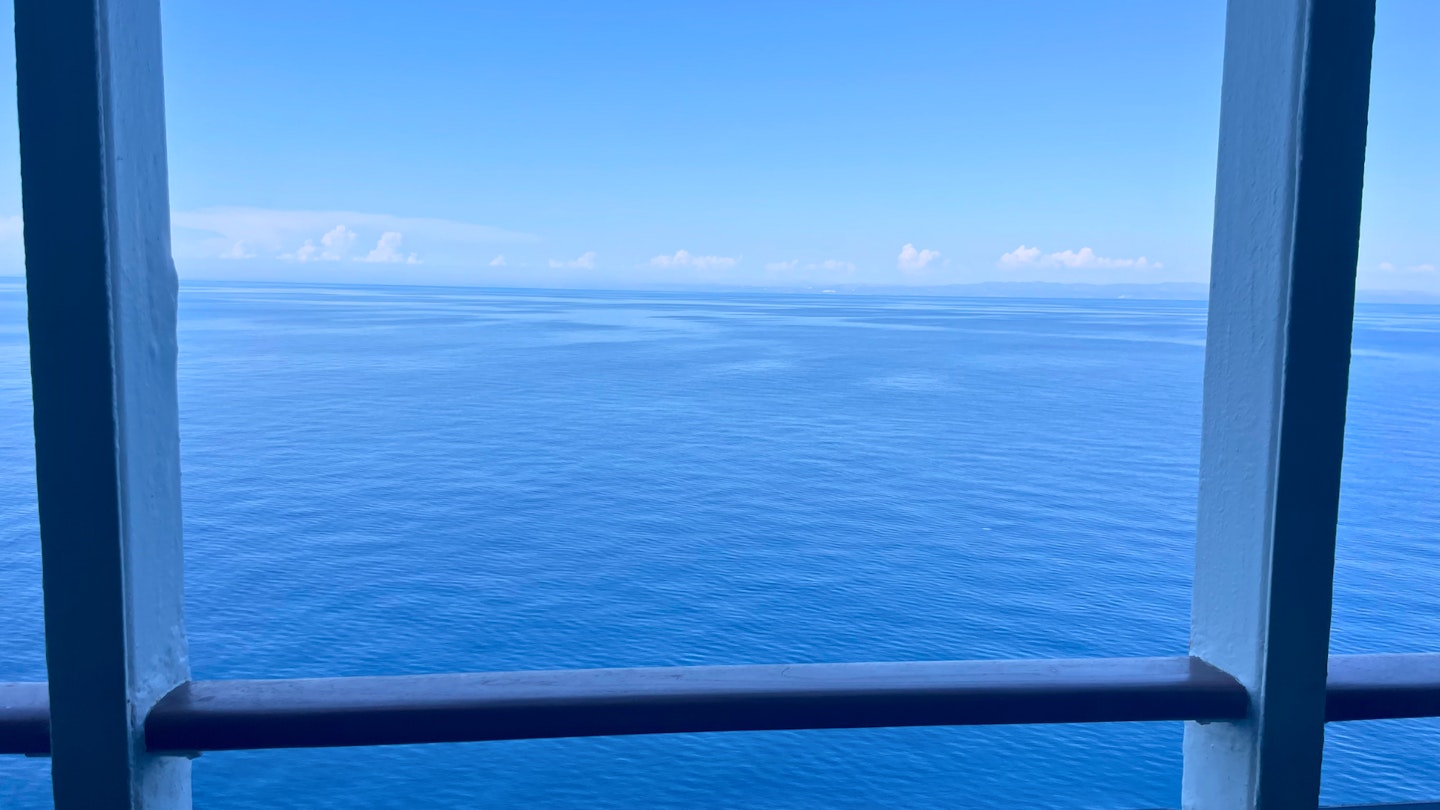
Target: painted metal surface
[24, 719]
[1291, 162]
[1402, 806]
[217, 715]
[515, 705]
[102, 309]
[1382, 687]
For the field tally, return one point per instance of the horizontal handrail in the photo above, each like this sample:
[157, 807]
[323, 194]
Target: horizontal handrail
[228, 715]
[1400, 806]
[1382, 687]
[221, 715]
[24, 719]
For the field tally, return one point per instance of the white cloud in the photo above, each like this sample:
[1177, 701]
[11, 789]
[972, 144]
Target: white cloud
[334, 245]
[304, 253]
[337, 242]
[498, 261]
[1019, 256]
[387, 250]
[1389, 267]
[1082, 259]
[683, 258]
[832, 265]
[210, 233]
[1086, 258]
[238, 251]
[1422, 277]
[911, 260]
[585, 261]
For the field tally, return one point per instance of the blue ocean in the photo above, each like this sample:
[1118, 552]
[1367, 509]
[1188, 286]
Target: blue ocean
[409, 480]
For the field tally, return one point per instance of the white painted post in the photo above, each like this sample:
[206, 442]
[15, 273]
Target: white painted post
[1287, 214]
[102, 307]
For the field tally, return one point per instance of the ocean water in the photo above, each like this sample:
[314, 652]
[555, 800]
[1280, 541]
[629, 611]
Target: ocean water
[406, 480]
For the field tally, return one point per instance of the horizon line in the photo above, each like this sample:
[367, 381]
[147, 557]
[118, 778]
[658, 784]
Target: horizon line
[917, 290]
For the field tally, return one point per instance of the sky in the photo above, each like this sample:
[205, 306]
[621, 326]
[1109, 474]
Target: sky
[633, 144]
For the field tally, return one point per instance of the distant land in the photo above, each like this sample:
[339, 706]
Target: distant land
[1162, 291]
[1166, 291]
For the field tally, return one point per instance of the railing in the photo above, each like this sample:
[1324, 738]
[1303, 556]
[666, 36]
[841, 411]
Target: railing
[120, 716]
[408, 709]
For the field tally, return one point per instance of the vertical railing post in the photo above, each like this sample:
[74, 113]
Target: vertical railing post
[102, 308]
[1287, 216]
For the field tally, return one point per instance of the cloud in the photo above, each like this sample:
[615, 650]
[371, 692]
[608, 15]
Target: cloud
[498, 261]
[683, 258]
[238, 251]
[1019, 256]
[337, 242]
[387, 250]
[335, 245]
[829, 264]
[1387, 267]
[585, 261]
[304, 253]
[210, 233]
[911, 260]
[1082, 259]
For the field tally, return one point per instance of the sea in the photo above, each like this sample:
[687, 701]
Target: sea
[392, 480]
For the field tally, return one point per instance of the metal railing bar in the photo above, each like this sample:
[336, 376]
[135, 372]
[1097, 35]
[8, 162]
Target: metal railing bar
[1400, 806]
[223, 715]
[24, 718]
[1382, 687]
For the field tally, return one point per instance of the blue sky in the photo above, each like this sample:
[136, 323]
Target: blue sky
[642, 143]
